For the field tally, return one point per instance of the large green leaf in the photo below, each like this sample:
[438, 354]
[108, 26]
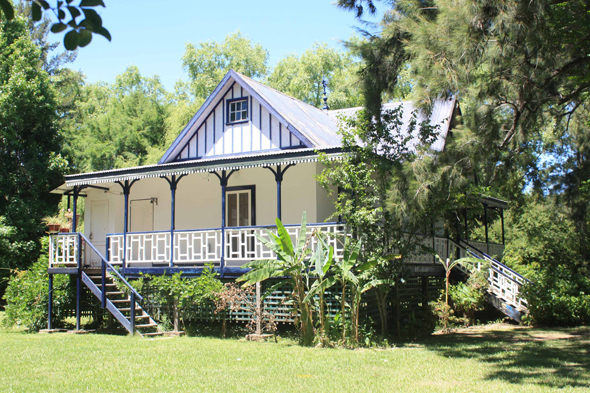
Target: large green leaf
[285, 239]
[258, 275]
[351, 255]
[6, 7]
[91, 3]
[260, 263]
[302, 236]
[330, 260]
[84, 37]
[36, 12]
[318, 287]
[273, 244]
[71, 40]
[376, 283]
[367, 265]
[318, 257]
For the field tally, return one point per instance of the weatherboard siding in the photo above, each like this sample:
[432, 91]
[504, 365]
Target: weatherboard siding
[263, 131]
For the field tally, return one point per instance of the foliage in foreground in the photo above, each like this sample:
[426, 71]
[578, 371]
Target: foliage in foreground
[310, 273]
[27, 295]
[556, 298]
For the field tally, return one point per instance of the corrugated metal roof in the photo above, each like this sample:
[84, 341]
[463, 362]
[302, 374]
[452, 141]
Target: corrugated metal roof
[315, 127]
[314, 123]
[440, 114]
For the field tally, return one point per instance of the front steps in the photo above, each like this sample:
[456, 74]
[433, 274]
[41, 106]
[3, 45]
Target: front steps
[119, 304]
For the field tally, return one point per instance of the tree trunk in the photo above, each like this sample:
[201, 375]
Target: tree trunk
[343, 312]
[176, 316]
[447, 287]
[322, 317]
[382, 306]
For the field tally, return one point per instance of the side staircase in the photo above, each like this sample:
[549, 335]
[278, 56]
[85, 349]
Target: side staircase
[107, 284]
[121, 304]
[504, 292]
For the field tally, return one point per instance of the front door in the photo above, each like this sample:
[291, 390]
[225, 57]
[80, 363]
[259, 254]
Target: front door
[239, 208]
[99, 220]
[240, 213]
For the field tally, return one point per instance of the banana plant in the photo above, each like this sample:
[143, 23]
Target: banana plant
[321, 259]
[352, 278]
[291, 262]
[449, 264]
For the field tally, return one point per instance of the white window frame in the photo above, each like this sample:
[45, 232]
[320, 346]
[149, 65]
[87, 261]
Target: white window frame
[233, 103]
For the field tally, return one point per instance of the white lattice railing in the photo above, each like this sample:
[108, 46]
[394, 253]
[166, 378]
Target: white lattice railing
[147, 248]
[197, 247]
[63, 250]
[202, 246]
[439, 245]
[492, 249]
[242, 244]
[506, 284]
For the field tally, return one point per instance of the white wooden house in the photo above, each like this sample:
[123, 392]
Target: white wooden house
[247, 156]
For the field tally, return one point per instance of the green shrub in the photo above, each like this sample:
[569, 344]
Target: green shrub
[469, 297]
[183, 293]
[558, 298]
[27, 295]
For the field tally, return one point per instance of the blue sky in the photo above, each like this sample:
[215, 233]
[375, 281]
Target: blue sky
[152, 34]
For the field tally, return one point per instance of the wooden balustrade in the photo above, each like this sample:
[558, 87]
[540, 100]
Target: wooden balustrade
[63, 250]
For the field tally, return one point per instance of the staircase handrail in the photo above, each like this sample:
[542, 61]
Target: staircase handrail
[493, 260]
[111, 268]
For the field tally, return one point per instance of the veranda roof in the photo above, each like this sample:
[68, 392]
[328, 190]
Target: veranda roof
[213, 164]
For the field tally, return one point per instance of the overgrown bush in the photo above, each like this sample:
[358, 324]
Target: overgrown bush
[27, 295]
[234, 298]
[558, 298]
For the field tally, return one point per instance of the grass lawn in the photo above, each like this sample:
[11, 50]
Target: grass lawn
[484, 360]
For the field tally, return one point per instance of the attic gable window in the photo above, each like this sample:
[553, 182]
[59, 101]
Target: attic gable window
[237, 110]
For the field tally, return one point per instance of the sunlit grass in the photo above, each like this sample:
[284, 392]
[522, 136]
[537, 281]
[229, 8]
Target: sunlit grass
[499, 361]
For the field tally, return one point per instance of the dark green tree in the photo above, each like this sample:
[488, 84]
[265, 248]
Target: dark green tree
[30, 162]
[118, 125]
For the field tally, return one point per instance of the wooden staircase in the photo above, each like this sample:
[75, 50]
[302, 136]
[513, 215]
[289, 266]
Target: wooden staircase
[120, 304]
[504, 291]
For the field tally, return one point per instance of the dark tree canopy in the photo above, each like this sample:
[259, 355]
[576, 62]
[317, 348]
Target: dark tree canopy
[29, 145]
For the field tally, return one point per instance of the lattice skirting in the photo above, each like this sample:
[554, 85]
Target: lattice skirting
[277, 303]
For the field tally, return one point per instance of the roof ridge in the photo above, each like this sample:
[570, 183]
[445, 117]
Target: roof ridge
[280, 92]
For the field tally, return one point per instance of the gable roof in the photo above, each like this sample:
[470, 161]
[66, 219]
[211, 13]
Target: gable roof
[313, 127]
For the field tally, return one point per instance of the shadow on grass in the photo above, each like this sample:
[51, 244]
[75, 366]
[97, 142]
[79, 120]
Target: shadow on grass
[549, 358]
